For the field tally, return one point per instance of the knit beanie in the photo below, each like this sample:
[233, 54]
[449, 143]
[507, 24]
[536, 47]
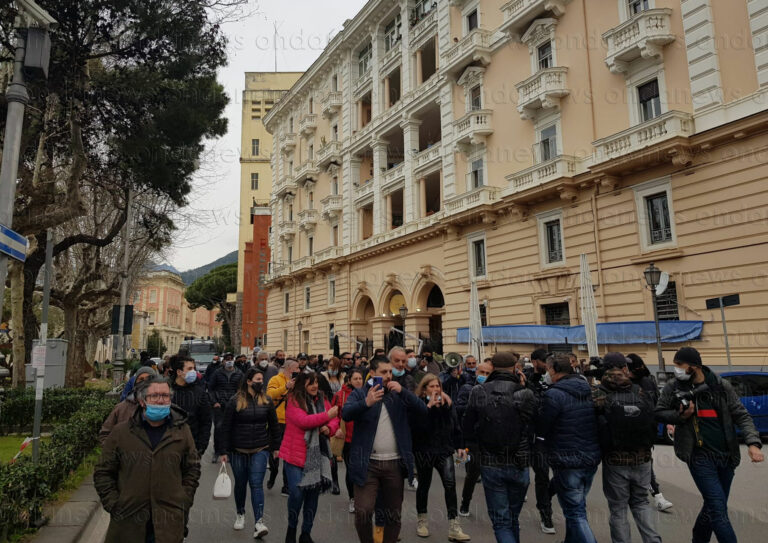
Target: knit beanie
[688, 355]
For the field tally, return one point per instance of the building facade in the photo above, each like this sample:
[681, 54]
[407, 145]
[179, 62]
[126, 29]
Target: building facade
[262, 91]
[256, 265]
[433, 144]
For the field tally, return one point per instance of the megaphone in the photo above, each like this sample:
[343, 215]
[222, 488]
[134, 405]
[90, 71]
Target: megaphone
[453, 360]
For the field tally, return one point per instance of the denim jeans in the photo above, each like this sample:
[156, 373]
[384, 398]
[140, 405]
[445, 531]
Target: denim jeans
[249, 470]
[447, 472]
[505, 489]
[298, 497]
[627, 486]
[713, 476]
[572, 487]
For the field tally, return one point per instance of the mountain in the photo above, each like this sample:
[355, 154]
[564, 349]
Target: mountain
[190, 275]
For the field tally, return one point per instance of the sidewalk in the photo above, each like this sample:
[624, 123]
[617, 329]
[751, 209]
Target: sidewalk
[79, 520]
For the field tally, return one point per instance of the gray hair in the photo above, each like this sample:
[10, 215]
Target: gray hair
[263, 355]
[395, 350]
[140, 392]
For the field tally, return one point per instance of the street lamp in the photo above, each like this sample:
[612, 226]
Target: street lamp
[652, 278]
[403, 311]
[299, 326]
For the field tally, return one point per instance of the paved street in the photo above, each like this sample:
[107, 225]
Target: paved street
[212, 520]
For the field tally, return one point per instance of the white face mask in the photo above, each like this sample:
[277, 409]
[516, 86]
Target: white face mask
[413, 362]
[547, 378]
[263, 364]
[681, 375]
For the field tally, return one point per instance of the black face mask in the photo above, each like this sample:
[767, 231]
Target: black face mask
[294, 375]
[428, 358]
[257, 387]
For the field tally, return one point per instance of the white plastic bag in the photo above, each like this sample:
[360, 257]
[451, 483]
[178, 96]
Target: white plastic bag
[222, 488]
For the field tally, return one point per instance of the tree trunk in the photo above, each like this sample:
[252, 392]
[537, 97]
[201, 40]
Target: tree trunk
[74, 373]
[16, 274]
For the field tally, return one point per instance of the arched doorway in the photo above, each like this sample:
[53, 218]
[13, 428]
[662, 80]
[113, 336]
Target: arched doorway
[394, 302]
[362, 326]
[435, 309]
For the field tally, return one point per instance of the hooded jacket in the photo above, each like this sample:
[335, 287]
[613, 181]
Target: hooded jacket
[567, 424]
[196, 403]
[121, 413]
[254, 427]
[136, 483]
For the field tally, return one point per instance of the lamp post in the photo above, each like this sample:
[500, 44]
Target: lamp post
[299, 327]
[652, 277]
[403, 313]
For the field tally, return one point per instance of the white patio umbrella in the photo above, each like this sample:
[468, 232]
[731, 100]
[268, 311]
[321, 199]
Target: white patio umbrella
[588, 309]
[476, 346]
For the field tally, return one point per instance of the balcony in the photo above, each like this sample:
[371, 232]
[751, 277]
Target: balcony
[427, 157]
[474, 47]
[308, 124]
[474, 127]
[393, 55]
[332, 206]
[364, 189]
[331, 103]
[307, 219]
[642, 36]
[362, 84]
[392, 176]
[628, 144]
[421, 28]
[474, 198]
[518, 14]
[287, 143]
[287, 230]
[308, 171]
[561, 167]
[543, 90]
[328, 253]
[286, 187]
[330, 152]
[302, 263]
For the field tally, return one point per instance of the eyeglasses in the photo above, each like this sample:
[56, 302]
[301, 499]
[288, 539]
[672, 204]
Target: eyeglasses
[159, 397]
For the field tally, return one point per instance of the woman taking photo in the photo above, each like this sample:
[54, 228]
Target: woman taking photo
[354, 379]
[247, 435]
[309, 422]
[435, 438]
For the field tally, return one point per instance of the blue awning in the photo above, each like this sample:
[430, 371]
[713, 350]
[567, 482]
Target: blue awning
[608, 333]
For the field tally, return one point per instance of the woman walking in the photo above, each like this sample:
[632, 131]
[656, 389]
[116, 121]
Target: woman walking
[354, 379]
[248, 434]
[309, 422]
[435, 438]
[335, 379]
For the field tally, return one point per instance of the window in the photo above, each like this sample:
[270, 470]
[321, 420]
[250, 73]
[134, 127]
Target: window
[557, 315]
[637, 6]
[153, 296]
[286, 302]
[331, 291]
[307, 297]
[335, 235]
[551, 246]
[311, 105]
[472, 20]
[290, 167]
[311, 152]
[477, 261]
[335, 132]
[290, 125]
[254, 181]
[649, 100]
[364, 60]
[548, 143]
[666, 304]
[285, 340]
[290, 254]
[335, 83]
[311, 245]
[335, 186]
[544, 54]
[311, 200]
[254, 147]
[483, 314]
[392, 33]
[290, 212]
[476, 98]
[476, 174]
[553, 234]
[659, 224]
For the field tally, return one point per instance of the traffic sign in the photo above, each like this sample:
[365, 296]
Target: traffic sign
[13, 244]
[728, 301]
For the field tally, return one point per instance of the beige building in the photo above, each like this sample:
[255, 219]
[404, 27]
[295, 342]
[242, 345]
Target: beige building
[262, 91]
[433, 143]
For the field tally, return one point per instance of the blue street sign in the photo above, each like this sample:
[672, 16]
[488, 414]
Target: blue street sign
[13, 244]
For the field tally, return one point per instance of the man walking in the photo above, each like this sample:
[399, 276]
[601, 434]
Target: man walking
[189, 394]
[628, 432]
[567, 426]
[498, 424]
[399, 359]
[148, 471]
[705, 409]
[277, 389]
[381, 447]
[222, 387]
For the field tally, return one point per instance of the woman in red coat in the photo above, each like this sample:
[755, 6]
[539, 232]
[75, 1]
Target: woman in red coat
[309, 422]
[354, 379]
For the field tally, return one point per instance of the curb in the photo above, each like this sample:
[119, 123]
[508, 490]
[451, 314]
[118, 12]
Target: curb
[80, 519]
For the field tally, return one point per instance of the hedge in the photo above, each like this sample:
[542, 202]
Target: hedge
[24, 488]
[17, 406]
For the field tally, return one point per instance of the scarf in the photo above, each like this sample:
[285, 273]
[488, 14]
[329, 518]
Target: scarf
[317, 467]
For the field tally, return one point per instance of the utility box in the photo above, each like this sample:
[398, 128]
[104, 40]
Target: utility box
[55, 364]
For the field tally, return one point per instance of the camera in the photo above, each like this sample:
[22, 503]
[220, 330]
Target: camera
[684, 398]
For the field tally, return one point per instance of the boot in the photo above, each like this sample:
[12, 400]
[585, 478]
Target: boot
[335, 490]
[290, 535]
[454, 531]
[305, 538]
[422, 528]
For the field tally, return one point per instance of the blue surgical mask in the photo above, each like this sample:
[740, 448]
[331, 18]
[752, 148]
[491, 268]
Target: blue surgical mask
[398, 373]
[481, 379]
[333, 373]
[156, 413]
[190, 377]
[413, 362]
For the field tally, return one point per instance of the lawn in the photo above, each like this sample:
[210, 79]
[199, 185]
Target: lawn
[9, 446]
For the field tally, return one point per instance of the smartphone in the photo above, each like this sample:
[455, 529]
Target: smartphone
[378, 381]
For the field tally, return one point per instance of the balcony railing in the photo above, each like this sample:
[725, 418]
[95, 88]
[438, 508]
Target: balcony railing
[543, 90]
[302, 263]
[475, 46]
[288, 143]
[477, 197]
[308, 124]
[665, 127]
[286, 229]
[418, 30]
[307, 219]
[518, 14]
[427, 156]
[364, 188]
[474, 127]
[362, 82]
[558, 168]
[393, 175]
[308, 170]
[332, 206]
[332, 103]
[287, 186]
[328, 253]
[330, 152]
[395, 52]
[642, 36]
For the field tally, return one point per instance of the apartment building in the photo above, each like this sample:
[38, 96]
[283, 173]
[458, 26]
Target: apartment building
[433, 144]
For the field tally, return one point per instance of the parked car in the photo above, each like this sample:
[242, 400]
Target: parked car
[752, 388]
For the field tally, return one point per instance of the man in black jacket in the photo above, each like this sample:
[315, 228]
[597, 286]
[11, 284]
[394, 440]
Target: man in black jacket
[211, 369]
[222, 387]
[498, 423]
[189, 394]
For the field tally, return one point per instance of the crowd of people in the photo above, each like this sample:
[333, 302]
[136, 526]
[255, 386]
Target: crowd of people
[399, 417]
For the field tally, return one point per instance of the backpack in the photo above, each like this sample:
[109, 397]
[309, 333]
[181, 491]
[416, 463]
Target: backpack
[630, 420]
[500, 425]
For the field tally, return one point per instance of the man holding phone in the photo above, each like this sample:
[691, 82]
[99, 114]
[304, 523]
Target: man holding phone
[381, 449]
[277, 389]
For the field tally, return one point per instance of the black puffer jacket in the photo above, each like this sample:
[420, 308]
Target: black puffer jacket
[254, 427]
[223, 385]
[436, 433]
[195, 402]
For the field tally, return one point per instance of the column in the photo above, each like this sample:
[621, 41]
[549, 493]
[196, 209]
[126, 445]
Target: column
[360, 227]
[379, 163]
[388, 218]
[378, 52]
[440, 189]
[419, 79]
[411, 146]
[437, 54]
[387, 102]
[423, 197]
[359, 114]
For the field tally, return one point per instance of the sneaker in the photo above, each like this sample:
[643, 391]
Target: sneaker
[422, 527]
[239, 522]
[284, 491]
[352, 506]
[455, 532]
[464, 509]
[662, 504]
[546, 523]
[413, 486]
[335, 490]
[260, 530]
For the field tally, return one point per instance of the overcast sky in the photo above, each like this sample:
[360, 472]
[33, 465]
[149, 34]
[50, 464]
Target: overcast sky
[304, 28]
